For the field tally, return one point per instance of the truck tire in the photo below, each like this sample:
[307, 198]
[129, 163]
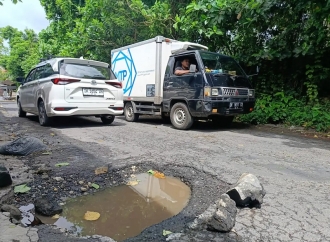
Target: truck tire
[130, 116]
[21, 113]
[180, 116]
[223, 121]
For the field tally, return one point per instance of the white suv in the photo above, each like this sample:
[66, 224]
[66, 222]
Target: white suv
[68, 87]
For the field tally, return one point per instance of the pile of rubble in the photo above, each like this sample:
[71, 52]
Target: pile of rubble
[221, 215]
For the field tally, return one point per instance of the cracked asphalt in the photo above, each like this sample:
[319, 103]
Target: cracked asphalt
[295, 171]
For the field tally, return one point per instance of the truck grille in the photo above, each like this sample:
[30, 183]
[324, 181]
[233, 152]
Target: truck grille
[234, 92]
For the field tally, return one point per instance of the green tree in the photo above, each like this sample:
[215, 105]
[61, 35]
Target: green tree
[92, 29]
[23, 50]
[290, 40]
[13, 1]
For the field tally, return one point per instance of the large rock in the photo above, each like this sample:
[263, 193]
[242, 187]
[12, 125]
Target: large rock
[203, 219]
[224, 218]
[220, 216]
[46, 206]
[248, 191]
[5, 178]
[22, 146]
[14, 212]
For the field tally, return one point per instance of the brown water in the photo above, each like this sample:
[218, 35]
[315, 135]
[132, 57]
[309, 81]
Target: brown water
[126, 210]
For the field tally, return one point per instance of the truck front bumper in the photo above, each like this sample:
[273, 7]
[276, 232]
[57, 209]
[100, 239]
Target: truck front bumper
[228, 108]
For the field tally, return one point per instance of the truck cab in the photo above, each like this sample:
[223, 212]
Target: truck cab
[218, 89]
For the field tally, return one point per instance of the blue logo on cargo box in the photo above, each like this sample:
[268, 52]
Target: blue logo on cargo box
[128, 74]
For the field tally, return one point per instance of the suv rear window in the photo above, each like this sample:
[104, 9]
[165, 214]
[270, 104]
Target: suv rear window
[86, 71]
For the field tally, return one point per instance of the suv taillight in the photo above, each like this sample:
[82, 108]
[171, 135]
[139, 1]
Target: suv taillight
[115, 84]
[64, 81]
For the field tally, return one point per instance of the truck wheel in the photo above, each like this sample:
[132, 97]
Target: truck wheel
[180, 116]
[21, 113]
[223, 121]
[130, 116]
[44, 120]
[108, 119]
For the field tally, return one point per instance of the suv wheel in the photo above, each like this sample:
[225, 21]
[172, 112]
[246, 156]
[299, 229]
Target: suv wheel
[21, 113]
[108, 119]
[130, 116]
[44, 120]
[180, 116]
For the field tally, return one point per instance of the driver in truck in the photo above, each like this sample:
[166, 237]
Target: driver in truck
[184, 68]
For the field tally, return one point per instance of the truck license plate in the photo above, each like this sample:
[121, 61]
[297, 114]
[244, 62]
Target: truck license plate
[236, 105]
[93, 92]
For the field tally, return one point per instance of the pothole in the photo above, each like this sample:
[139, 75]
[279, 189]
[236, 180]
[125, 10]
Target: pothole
[126, 210]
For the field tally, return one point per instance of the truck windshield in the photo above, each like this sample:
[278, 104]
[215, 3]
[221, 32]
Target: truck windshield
[216, 63]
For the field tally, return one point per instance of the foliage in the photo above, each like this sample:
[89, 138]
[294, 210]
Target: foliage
[91, 28]
[23, 51]
[22, 189]
[286, 108]
[288, 40]
[96, 186]
[4, 75]
[62, 164]
[91, 216]
[160, 18]
[13, 1]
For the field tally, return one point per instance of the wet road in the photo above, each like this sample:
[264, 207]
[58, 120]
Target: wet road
[294, 171]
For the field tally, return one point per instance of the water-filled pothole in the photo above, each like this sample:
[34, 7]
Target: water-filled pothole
[125, 210]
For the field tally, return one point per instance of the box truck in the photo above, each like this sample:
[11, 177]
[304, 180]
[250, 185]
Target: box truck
[214, 86]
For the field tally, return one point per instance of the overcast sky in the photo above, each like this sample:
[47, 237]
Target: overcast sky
[26, 14]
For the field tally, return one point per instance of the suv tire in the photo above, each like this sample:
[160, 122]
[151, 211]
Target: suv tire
[180, 116]
[108, 119]
[21, 113]
[44, 120]
[130, 116]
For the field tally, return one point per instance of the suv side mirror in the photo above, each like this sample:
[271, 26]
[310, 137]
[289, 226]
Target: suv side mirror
[20, 79]
[192, 68]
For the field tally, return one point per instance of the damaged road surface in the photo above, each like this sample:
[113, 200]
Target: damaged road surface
[293, 171]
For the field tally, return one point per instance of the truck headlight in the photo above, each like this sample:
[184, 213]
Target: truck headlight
[251, 93]
[215, 92]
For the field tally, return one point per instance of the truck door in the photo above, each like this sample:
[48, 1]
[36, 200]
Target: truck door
[188, 87]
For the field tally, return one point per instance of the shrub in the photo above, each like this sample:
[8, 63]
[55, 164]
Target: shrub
[288, 109]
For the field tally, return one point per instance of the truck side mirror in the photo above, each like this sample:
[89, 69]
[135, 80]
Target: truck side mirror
[192, 68]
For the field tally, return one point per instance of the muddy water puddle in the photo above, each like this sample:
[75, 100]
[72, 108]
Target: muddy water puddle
[125, 211]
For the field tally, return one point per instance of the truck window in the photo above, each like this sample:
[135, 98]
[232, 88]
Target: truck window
[180, 59]
[168, 67]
